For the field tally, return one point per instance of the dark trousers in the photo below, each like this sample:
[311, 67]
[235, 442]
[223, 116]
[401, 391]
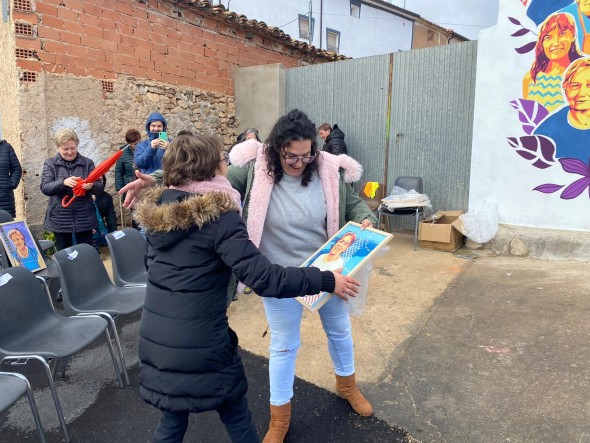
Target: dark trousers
[64, 239]
[236, 418]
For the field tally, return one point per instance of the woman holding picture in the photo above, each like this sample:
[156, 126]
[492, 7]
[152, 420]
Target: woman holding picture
[295, 198]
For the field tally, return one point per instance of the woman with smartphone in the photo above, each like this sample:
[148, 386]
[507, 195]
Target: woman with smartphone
[149, 153]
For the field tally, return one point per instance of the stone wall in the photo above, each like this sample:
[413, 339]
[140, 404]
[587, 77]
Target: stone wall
[101, 119]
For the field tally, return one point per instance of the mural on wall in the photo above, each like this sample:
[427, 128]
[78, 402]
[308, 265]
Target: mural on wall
[555, 106]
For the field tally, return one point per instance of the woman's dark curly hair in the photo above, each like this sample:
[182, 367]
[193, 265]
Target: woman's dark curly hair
[294, 126]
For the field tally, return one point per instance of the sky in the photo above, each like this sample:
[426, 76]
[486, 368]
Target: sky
[466, 17]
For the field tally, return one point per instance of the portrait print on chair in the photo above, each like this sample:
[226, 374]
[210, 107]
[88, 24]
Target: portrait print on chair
[349, 249]
[20, 246]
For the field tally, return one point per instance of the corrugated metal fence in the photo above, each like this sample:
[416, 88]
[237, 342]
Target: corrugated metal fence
[408, 113]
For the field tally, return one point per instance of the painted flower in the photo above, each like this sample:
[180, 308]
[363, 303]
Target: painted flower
[571, 166]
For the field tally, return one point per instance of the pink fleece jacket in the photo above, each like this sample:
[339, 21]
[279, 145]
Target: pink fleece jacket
[329, 171]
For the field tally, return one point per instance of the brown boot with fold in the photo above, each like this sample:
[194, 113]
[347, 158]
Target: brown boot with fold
[347, 388]
[280, 417]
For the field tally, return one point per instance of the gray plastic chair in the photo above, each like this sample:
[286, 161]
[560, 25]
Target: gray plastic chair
[87, 289]
[12, 387]
[407, 183]
[30, 329]
[127, 249]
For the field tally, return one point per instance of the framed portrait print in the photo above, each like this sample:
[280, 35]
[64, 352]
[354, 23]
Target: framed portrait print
[20, 246]
[350, 249]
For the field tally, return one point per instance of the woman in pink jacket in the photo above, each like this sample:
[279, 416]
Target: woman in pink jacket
[295, 198]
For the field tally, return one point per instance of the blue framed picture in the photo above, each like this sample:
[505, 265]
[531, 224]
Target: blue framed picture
[20, 246]
[349, 249]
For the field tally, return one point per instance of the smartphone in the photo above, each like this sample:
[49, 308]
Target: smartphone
[163, 136]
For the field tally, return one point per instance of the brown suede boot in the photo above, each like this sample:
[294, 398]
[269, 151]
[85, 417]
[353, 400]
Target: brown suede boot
[280, 417]
[347, 388]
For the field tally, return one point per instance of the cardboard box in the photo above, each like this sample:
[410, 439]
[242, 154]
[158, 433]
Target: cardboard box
[442, 231]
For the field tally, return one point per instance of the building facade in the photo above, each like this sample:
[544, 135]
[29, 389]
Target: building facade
[101, 67]
[354, 28]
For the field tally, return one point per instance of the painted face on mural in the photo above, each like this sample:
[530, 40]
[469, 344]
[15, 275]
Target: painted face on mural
[584, 6]
[577, 91]
[557, 43]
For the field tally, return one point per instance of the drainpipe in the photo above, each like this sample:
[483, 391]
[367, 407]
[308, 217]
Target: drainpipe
[321, 17]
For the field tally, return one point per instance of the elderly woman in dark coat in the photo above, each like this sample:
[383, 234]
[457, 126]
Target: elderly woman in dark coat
[60, 175]
[196, 238]
[10, 174]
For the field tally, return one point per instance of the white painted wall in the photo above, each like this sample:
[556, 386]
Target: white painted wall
[497, 172]
[376, 32]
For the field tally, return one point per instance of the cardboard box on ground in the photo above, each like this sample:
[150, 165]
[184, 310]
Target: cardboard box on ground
[442, 231]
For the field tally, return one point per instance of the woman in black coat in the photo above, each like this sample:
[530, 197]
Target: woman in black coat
[196, 238]
[60, 175]
[10, 174]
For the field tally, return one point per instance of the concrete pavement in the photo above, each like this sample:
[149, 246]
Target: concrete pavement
[450, 348]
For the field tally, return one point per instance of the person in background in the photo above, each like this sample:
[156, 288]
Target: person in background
[295, 198]
[251, 133]
[10, 175]
[149, 153]
[333, 138]
[60, 175]
[125, 167]
[195, 240]
[106, 208]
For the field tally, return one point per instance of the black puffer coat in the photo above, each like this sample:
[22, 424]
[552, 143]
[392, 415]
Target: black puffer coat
[81, 214]
[188, 352]
[335, 142]
[10, 174]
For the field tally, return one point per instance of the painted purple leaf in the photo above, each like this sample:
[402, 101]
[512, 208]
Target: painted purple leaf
[576, 188]
[521, 32]
[575, 166]
[530, 113]
[513, 20]
[548, 188]
[534, 147]
[526, 48]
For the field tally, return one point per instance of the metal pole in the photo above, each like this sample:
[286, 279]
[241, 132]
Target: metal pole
[310, 22]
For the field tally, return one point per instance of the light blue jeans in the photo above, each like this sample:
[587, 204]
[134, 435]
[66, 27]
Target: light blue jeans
[284, 319]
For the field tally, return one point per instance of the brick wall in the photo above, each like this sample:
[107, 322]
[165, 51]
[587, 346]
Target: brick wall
[157, 40]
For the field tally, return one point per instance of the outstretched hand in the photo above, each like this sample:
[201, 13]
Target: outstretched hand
[345, 286]
[132, 189]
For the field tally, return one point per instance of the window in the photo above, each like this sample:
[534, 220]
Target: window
[304, 31]
[355, 8]
[5, 10]
[333, 40]
[430, 36]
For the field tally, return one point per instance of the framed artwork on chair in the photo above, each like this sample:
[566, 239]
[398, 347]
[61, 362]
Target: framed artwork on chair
[20, 246]
[350, 249]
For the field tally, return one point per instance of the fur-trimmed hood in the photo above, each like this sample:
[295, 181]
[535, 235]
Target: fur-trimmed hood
[173, 213]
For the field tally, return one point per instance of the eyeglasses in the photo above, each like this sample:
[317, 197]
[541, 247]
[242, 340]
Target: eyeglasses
[291, 159]
[226, 159]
